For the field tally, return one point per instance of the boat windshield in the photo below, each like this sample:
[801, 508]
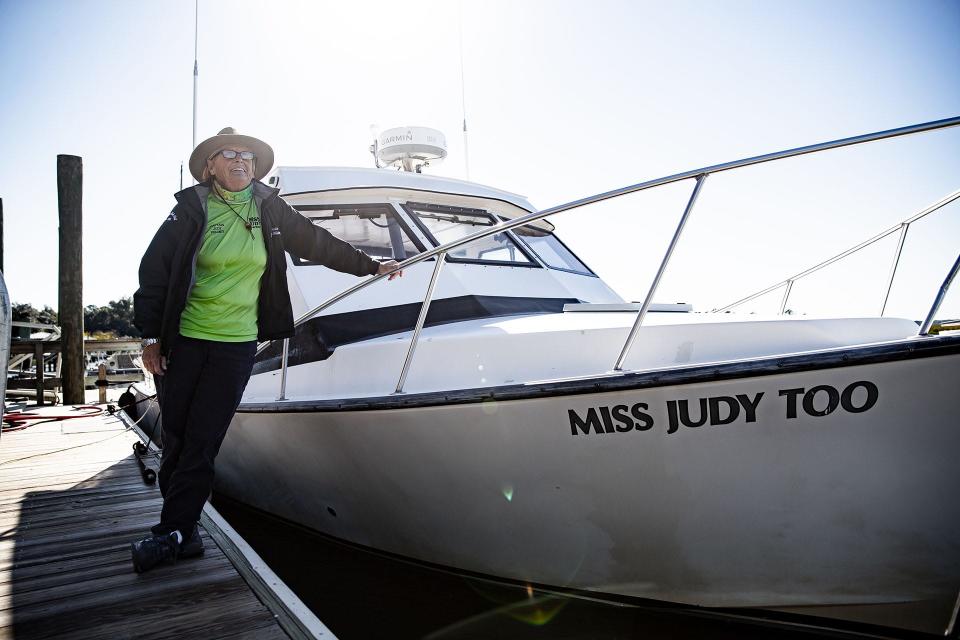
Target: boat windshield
[375, 229]
[446, 224]
[552, 252]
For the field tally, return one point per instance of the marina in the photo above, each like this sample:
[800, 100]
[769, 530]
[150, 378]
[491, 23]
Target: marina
[665, 347]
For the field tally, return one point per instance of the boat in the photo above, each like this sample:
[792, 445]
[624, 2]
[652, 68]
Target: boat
[501, 411]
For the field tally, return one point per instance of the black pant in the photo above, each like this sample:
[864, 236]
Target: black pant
[200, 393]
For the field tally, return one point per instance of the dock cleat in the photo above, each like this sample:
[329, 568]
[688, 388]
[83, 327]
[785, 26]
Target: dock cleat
[149, 552]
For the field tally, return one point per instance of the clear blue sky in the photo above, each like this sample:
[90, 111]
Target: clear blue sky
[564, 99]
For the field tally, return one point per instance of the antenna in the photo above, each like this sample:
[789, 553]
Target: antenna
[463, 95]
[196, 69]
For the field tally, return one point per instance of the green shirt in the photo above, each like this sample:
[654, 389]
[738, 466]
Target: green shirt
[222, 304]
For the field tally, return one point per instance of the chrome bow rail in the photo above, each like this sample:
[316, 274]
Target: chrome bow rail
[699, 175]
[902, 227]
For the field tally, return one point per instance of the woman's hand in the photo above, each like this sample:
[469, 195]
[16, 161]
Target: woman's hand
[153, 361]
[387, 267]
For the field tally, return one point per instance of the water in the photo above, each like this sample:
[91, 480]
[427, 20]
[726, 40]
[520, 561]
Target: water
[362, 594]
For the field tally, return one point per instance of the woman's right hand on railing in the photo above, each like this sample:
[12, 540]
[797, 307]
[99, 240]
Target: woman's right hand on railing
[387, 267]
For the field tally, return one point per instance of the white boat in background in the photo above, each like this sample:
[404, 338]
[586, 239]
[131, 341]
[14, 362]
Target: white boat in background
[521, 420]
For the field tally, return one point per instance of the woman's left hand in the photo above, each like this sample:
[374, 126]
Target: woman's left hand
[387, 267]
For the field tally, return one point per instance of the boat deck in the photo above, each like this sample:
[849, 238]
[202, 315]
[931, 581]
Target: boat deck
[71, 500]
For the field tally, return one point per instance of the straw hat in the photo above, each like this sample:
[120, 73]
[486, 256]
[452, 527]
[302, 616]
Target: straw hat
[228, 137]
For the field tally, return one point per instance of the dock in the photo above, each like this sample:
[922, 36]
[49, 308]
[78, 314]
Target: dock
[72, 498]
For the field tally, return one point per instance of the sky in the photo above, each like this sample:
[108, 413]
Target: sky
[563, 99]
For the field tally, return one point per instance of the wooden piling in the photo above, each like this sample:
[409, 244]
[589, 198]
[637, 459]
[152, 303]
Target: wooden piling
[38, 367]
[102, 383]
[70, 312]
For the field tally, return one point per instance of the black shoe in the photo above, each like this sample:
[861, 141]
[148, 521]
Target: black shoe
[192, 546]
[150, 552]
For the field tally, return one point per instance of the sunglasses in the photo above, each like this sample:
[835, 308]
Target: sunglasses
[230, 154]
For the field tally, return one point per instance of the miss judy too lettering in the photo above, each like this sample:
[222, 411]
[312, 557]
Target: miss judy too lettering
[817, 401]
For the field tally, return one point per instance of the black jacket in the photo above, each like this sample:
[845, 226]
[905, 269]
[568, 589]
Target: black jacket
[168, 267]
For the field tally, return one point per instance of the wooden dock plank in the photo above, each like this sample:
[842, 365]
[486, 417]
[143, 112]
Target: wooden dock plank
[31, 553]
[71, 501]
[51, 545]
[76, 496]
[107, 568]
[75, 596]
[196, 608]
[270, 633]
[63, 522]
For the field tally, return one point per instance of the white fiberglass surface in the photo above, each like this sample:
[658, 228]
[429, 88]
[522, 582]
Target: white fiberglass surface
[845, 330]
[525, 349]
[316, 181]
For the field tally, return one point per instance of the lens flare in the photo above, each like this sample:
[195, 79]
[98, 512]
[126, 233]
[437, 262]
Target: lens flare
[524, 605]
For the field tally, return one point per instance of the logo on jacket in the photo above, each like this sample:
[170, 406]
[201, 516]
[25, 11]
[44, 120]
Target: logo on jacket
[172, 217]
[274, 231]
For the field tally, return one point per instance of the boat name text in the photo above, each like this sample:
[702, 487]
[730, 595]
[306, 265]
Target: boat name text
[816, 402]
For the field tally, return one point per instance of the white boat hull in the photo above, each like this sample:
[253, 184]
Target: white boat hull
[767, 504]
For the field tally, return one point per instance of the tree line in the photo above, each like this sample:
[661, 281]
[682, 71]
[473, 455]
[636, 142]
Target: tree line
[115, 319]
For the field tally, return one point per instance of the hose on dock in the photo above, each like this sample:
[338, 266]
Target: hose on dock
[18, 420]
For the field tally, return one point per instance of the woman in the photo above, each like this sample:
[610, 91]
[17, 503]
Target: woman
[213, 282]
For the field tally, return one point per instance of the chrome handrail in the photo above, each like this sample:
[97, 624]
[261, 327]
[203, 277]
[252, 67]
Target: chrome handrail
[928, 322]
[284, 358]
[904, 227]
[900, 226]
[648, 300]
[424, 309]
[698, 174]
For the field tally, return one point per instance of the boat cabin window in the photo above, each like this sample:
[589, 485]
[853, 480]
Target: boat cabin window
[552, 252]
[374, 229]
[446, 224]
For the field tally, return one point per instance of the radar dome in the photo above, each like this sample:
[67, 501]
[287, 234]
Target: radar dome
[411, 147]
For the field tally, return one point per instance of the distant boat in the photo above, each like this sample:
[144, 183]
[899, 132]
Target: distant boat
[116, 363]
